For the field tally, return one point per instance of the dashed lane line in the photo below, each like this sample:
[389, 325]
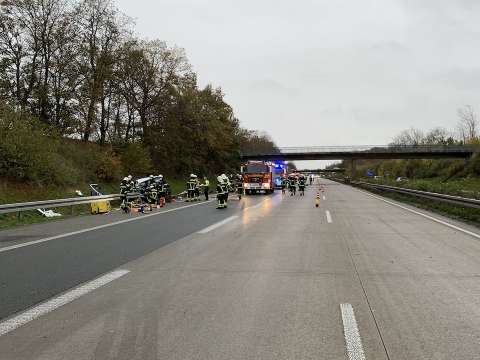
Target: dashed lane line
[329, 216]
[217, 225]
[50, 305]
[353, 341]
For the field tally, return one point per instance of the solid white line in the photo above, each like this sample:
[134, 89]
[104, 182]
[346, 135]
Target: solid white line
[217, 225]
[50, 305]
[329, 217]
[141, 217]
[425, 216]
[353, 341]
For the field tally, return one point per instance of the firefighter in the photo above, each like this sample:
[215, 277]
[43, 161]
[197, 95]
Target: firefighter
[192, 186]
[301, 185]
[151, 194]
[222, 192]
[131, 183]
[227, 183]
[124, 190]
[239, 185]
[162, 190]
[284, 185]
[151, 180]
[292, 185]
[206, 187]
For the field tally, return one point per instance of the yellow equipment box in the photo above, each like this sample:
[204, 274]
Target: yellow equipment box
[100, 207]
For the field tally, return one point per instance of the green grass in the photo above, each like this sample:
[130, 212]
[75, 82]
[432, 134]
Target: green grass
[33, 217]
[465, 187]
[177, 185]
[14, 193]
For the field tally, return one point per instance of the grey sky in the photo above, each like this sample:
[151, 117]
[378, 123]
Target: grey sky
[323, 72]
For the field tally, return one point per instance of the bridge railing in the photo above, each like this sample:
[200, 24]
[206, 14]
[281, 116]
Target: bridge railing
[368, 149]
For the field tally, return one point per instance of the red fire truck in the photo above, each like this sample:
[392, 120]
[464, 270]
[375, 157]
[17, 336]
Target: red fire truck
[258, 177]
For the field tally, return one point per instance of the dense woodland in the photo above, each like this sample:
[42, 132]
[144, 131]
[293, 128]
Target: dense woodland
[82, 97]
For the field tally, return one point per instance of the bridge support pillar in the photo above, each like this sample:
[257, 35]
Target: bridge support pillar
[353, 169]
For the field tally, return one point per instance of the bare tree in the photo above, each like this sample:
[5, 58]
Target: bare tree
[467, 126]
[437, 136]
[411, 136]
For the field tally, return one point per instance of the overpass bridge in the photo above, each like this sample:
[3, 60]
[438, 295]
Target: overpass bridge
[322, 171]
[363, 152]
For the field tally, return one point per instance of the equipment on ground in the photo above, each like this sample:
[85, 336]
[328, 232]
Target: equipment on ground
[101, 206]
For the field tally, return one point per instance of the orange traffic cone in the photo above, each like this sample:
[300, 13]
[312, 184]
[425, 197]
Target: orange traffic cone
[317, 200]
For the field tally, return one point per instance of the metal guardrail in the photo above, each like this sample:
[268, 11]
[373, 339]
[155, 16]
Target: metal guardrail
[457, 200]
[46, 204]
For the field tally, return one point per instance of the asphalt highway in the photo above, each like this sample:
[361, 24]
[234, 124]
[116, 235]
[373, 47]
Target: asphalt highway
[271, 277]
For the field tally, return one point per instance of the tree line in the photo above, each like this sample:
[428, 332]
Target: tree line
[78, 67]
[466, 131]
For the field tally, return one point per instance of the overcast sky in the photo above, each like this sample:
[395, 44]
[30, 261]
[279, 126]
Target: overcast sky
[323, 72]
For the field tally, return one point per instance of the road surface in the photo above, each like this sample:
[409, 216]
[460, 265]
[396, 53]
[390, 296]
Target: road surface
[272, 277]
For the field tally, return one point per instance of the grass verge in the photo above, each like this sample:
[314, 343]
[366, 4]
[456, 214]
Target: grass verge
[465, 187]
[457, 212]
[15, 193]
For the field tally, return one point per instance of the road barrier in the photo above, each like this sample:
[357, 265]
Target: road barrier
[45, 204]
[457, 200]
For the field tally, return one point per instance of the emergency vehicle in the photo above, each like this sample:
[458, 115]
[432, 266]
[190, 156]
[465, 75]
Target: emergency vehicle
[258, 177]
[280, 170]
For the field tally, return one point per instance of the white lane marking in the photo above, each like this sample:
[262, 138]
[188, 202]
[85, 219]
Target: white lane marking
[12, 247]
[426, 216]
[324, 197]
[329, 217]
[353, 341]
[217, 225]
[50, 305]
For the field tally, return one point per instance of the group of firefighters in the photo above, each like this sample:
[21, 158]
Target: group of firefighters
[154, 189]
[225, 185]
[153, 192]
[291, 182]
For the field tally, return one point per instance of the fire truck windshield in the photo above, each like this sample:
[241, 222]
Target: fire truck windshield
[257, 168]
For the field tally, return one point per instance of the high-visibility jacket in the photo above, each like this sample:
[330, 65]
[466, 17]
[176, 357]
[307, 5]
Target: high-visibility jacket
[192, 185]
